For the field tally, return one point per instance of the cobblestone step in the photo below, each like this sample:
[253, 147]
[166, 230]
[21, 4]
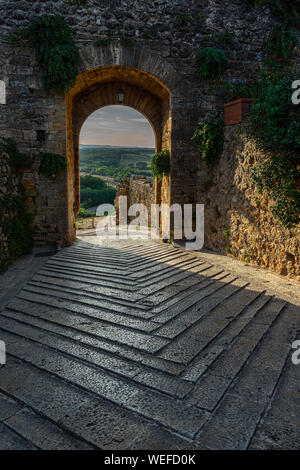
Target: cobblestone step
[91, 313]
[121, 350]
[154, 405]
[138, 373]
[116, 333]
[137, 345]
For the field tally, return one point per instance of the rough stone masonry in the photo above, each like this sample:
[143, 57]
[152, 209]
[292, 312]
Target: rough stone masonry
[165, 37]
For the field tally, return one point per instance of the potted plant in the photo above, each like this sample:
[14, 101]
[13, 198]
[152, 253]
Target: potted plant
[236, 111]
[242, 92]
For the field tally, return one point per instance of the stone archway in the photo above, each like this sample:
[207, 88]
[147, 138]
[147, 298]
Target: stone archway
[97, 88]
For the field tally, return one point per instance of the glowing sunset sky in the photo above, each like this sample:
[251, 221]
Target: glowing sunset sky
[119, 126]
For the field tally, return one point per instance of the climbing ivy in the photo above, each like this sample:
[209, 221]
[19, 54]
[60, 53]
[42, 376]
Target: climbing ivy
[15, 220]
[161, 164]
[281, 45]
[52, 164]
[274, 125]
[18, 160]
[209, 137]
[56, 52]
[277, 176]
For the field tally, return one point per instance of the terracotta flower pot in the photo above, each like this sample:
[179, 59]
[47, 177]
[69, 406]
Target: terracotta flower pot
[236, 111]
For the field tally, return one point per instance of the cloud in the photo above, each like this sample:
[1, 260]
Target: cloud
[117, 125]
[142, 120]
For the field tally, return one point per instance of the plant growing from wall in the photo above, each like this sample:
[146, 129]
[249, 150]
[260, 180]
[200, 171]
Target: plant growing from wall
[209, 137]
[274, 124]
[211, 62]
[277, 176]
[236, 87]
[52, 164]
[18, 160]
[56, 51]
[15, 220]
[281, 44]
[161, 164]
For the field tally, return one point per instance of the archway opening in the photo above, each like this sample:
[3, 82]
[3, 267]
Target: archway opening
[99, 87]
[116, 142]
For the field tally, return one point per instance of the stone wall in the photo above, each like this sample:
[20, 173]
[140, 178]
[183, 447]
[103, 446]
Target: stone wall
[165, 37]
[8, 188]
[160, 39]
[238, 220]
[138, 190]
[16, 205]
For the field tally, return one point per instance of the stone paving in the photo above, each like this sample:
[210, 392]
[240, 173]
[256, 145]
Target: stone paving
[140, 345]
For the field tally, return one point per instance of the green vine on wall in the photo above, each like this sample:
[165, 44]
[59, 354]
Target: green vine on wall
[56, 51]
[52, 164]
[15, 220]
[18, 160]
[274, 124]
[277, 176]
[161, 164]
[209, 137]
[211, 62]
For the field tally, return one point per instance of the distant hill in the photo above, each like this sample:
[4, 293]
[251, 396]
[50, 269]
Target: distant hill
[93, 157]
[100, 147]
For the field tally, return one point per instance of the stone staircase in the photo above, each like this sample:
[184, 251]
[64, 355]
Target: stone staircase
[139, 345]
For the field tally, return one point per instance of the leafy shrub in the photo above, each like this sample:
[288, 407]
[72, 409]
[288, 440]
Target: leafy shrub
[211, 62]
[161, 164]
[15, 220]
[274, 124]
[277, 176]
[83, 214]
[92, 182]
[56, 52]
[237, 88]
[281, 42]
[209, 137]
[94, 191]
[52, 164]
[19, 229]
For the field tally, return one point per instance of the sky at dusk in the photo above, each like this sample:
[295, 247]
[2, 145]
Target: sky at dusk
[119, 126]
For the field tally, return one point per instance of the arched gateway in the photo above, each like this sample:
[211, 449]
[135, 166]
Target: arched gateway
[98, 87]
